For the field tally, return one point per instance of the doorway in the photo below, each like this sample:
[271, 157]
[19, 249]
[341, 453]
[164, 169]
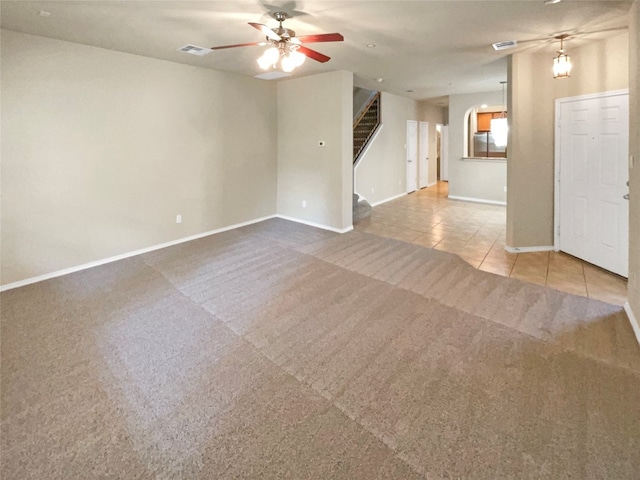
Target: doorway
[412, 155]
[591, 206]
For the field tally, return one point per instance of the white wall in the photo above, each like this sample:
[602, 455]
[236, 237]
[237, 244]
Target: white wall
[313, 109]
[382, 172]
[101, 150]
[485, 179]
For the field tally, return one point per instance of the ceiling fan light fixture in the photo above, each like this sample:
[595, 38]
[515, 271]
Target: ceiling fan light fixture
[287, 63]
[263, 63]
[297, 57]
[271, 55]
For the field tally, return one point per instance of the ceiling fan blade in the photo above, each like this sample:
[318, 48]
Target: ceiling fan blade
[324, 37]
[266, 30]
[237, 45]
[312, 54]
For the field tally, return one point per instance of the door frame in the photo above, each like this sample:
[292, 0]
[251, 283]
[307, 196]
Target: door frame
[413, 171]
[556, 154]
[444, 153]
[423, 143]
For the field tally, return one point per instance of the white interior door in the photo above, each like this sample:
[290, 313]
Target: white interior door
[444, 153]
[412, 155]
[423, 154]
[592, 172]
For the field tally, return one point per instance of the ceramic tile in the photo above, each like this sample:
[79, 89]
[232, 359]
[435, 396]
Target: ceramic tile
[477, 233]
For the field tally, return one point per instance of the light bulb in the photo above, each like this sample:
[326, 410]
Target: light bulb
[288, 64]
[298, 58]
[263, 63]
[499, 131]
[561, 66]
[271, 55]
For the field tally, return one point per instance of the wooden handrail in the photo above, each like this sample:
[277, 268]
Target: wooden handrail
[366, 109]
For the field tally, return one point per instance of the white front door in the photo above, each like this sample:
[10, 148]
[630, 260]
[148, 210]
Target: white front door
[412, 155]
[592, 175]
[423, 153]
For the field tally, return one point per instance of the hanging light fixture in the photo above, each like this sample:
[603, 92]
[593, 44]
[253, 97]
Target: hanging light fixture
[562, 63]
[499, 126]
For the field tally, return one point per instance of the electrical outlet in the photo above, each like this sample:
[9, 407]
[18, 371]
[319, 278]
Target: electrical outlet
[372, 190]
[505, 188]
[304, 204]
[178, 218]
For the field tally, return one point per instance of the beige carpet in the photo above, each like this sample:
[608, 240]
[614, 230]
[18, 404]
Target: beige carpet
[279, 351]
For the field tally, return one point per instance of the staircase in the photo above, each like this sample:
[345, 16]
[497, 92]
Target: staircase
[364, 127]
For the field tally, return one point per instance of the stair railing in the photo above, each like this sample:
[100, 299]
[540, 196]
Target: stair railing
[365, 133]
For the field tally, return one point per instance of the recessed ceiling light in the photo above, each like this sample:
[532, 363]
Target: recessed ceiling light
[484, 105]
[371, 45]
[42, 13]
[379, 80]
[551, 2]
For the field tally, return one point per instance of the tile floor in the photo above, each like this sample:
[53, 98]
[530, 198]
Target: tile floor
[476, 232]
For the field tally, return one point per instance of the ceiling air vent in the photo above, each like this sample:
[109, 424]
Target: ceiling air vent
[505, 45]
[195, 50]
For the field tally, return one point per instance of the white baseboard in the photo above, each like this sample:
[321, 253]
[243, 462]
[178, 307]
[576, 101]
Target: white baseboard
[431, 184]
[545, 248]
[317, 225]
[633, 320]
[476, 200]
[97, 263]
[387, 200]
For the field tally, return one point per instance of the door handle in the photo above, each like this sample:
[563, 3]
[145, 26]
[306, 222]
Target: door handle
[626, 197]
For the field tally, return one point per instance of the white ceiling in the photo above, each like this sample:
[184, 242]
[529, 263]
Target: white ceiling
[435, 48]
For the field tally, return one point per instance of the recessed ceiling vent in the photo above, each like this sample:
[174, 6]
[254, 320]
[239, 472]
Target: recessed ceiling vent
[505, 45]
[195, 50]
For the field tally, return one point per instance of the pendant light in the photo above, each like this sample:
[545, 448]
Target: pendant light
[499, 126]
[562, 63]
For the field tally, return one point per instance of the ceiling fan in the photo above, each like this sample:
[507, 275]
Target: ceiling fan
[286, 48]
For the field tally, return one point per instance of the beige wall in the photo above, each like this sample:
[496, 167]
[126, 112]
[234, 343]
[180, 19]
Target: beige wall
[634, 149]
[101, 150]
[313, 109]
[433, 114]
[599, 66]
[482, 180]
[382, 172]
